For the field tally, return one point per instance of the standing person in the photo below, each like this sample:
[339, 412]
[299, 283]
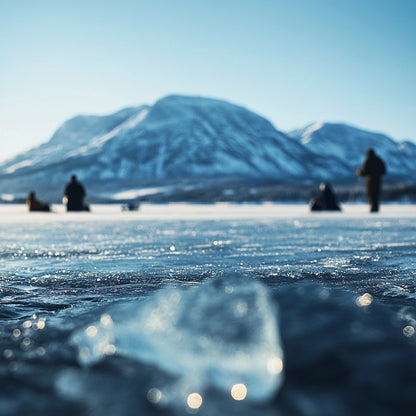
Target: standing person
[372, 169]
[74, 194]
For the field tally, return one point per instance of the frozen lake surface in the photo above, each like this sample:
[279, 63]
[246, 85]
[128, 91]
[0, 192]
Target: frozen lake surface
[208, 309]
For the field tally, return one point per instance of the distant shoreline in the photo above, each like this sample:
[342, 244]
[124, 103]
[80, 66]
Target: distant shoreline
[232, 192]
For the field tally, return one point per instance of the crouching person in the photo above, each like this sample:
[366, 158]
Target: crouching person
[35, 204]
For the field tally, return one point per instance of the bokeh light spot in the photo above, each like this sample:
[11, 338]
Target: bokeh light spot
[408, 331]
[109, 349]
[27, 324]
[40, 324]
[194, 401]
[239, 392]
[154, 395]
[106, 320]
[91, 331]
[364, 300]
[275, 365]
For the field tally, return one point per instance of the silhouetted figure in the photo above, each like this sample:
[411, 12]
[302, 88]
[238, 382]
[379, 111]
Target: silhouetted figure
[327, 201]
[35, 204]
[74, 194]
[372, 169]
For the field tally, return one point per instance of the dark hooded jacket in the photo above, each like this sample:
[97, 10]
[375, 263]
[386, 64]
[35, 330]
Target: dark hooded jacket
[35, 204]
[372, 169]
[75, 194]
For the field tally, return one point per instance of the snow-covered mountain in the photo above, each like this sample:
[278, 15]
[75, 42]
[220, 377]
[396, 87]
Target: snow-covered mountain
[346, 144]
[194, 140]
[70, 139]
[177, 138]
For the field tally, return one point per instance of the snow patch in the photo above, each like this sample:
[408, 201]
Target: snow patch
[19, 165]
[137, 193]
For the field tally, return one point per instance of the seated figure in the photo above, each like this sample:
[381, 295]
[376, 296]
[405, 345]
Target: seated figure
[35, 204]
[327, 201]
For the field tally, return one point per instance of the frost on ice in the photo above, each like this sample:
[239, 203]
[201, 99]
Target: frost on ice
[222, 334]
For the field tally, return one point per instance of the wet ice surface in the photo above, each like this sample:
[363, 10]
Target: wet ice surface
[214, 310]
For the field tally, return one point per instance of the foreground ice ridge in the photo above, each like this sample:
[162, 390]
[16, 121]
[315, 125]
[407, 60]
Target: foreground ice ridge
[221, 334]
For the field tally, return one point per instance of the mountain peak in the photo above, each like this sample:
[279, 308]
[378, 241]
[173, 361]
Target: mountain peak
[349, 144]
[82, 128]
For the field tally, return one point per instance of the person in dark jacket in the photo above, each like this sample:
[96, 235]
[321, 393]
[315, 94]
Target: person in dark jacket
[372, 169]
[35, 204]
[74, 194]
[327, 201]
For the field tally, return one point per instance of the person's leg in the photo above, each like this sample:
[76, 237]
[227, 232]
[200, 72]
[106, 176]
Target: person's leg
[374, 195]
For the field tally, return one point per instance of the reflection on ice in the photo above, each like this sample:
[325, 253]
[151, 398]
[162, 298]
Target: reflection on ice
[364, 300]
[222, 334]
[408, 331]
[239, 392]
[154, 395]
[194, 401]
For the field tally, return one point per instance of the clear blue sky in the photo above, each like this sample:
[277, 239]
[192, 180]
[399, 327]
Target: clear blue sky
[292, 61]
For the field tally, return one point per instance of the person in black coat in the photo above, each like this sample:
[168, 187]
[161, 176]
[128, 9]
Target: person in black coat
[327, 201]
[372, 169]
[35, 204]
[74, 194]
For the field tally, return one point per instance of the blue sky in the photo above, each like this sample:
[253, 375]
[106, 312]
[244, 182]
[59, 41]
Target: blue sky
[292, 61]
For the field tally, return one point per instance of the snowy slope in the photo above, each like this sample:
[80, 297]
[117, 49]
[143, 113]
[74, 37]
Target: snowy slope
[192, 136]
[71, 136]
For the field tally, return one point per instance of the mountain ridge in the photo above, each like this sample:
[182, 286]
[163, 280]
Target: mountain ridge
[186, 139]
[351, 143]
